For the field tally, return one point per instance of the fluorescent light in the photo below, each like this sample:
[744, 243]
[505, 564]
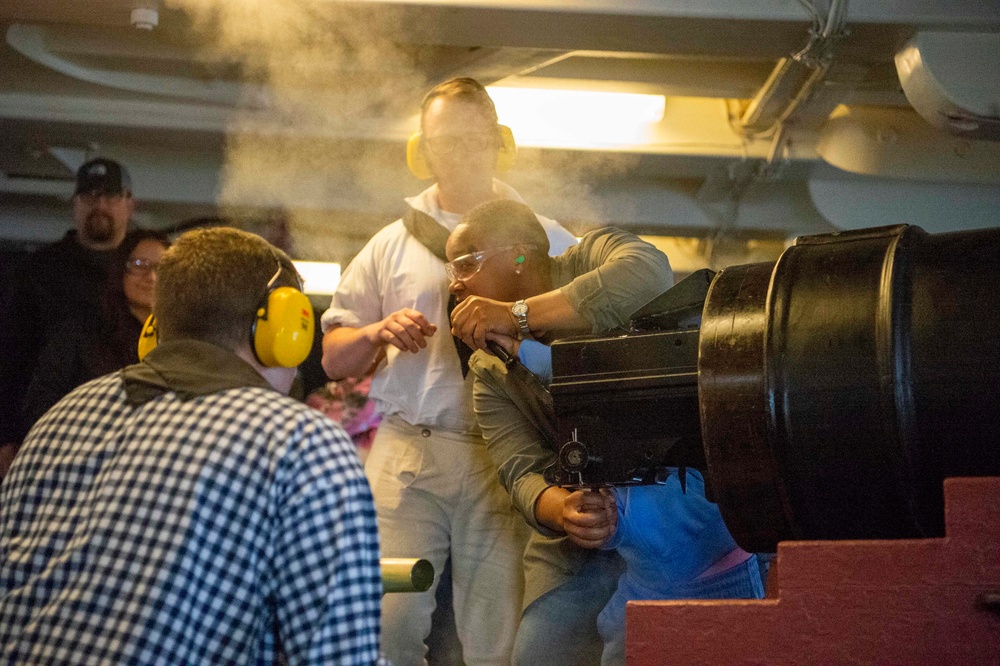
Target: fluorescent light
[577, 118]
[320, 277]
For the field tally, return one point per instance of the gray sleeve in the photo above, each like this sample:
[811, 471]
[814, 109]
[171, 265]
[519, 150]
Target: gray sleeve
[514, 434]
[614, 273]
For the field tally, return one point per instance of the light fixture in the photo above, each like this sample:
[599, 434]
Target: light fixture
[320, 278]
[145, 14]
[577, 118]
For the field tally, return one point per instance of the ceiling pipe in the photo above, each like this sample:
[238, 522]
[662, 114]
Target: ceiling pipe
[32, 41]
[144, 18]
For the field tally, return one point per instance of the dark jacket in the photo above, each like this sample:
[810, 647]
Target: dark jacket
[58, 282]
[79, 349]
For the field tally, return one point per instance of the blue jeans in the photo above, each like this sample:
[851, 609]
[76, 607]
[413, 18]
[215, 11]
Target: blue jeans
[560, 627]
[740, 582]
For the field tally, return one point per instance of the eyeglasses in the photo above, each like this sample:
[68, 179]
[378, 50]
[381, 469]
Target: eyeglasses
[472, 143]
[141, 266]
[464, 267]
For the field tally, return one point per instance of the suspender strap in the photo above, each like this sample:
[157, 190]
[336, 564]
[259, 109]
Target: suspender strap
[426, 230]
[433, 236]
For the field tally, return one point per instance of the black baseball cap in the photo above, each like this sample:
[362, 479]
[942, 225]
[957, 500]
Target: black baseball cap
[104, 176]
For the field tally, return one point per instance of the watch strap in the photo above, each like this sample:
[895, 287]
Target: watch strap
[520, 312]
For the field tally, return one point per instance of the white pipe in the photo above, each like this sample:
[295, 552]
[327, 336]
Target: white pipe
[31, 41]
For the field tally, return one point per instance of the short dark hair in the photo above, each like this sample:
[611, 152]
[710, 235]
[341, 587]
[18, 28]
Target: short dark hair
[211, 282]
[463, 88]
[507, 222]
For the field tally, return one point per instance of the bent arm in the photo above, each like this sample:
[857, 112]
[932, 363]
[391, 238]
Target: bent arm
[610, 275]
[350, 352]
[354, 352]
[599, 284]
[514, 425]
[551, 314]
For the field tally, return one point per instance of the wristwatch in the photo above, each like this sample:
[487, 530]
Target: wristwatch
[520, 312]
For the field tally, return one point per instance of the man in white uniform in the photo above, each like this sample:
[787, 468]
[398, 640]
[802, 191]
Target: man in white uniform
[436, 491]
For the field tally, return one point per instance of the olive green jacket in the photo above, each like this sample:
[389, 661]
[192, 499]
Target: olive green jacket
[606, 277]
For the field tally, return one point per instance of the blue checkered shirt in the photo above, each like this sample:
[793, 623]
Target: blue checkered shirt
[232, 528]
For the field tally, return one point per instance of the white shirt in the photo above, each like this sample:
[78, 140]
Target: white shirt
[393, 271]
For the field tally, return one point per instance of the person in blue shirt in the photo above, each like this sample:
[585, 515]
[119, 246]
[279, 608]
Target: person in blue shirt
[674, 543]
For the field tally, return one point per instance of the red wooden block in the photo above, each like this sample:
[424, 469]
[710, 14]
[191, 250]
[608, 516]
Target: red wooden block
[837, 602]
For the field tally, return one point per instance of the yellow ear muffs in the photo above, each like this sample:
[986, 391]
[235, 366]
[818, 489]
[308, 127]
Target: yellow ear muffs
[417, 161]
[284, 328]
[148, 338]
[282, 332]
[415, 157]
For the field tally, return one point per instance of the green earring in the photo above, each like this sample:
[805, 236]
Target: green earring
[519, 260]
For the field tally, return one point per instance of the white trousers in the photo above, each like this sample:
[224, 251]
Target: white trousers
[437, 494]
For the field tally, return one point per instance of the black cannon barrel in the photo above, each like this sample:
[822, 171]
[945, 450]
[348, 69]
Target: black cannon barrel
[839, 386]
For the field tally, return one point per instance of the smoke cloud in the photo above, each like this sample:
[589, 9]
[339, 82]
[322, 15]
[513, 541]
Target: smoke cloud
[332, 92]
[326, 84]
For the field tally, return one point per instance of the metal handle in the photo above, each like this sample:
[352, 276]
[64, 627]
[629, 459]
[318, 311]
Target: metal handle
[501, 353]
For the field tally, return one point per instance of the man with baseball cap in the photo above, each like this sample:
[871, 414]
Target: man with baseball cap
[102, 204]
[58, 281]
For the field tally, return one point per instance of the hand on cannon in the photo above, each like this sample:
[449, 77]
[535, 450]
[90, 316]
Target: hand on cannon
[590, 517]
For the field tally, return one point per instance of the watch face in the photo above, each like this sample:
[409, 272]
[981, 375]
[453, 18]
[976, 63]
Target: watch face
[520, 309]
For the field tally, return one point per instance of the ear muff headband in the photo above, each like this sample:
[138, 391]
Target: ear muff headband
[282, 332]
[417, 161]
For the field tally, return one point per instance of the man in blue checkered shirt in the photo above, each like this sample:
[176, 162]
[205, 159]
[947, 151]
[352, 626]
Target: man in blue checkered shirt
[185, 510]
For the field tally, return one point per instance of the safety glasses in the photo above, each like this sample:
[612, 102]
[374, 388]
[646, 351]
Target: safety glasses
[472, 143]
[464, 267]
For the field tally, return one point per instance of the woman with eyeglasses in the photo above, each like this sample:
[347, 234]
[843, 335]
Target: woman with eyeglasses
[84, 348]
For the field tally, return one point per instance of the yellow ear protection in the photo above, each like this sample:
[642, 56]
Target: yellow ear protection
[148, 338]
[282, 332]
[417, 161]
